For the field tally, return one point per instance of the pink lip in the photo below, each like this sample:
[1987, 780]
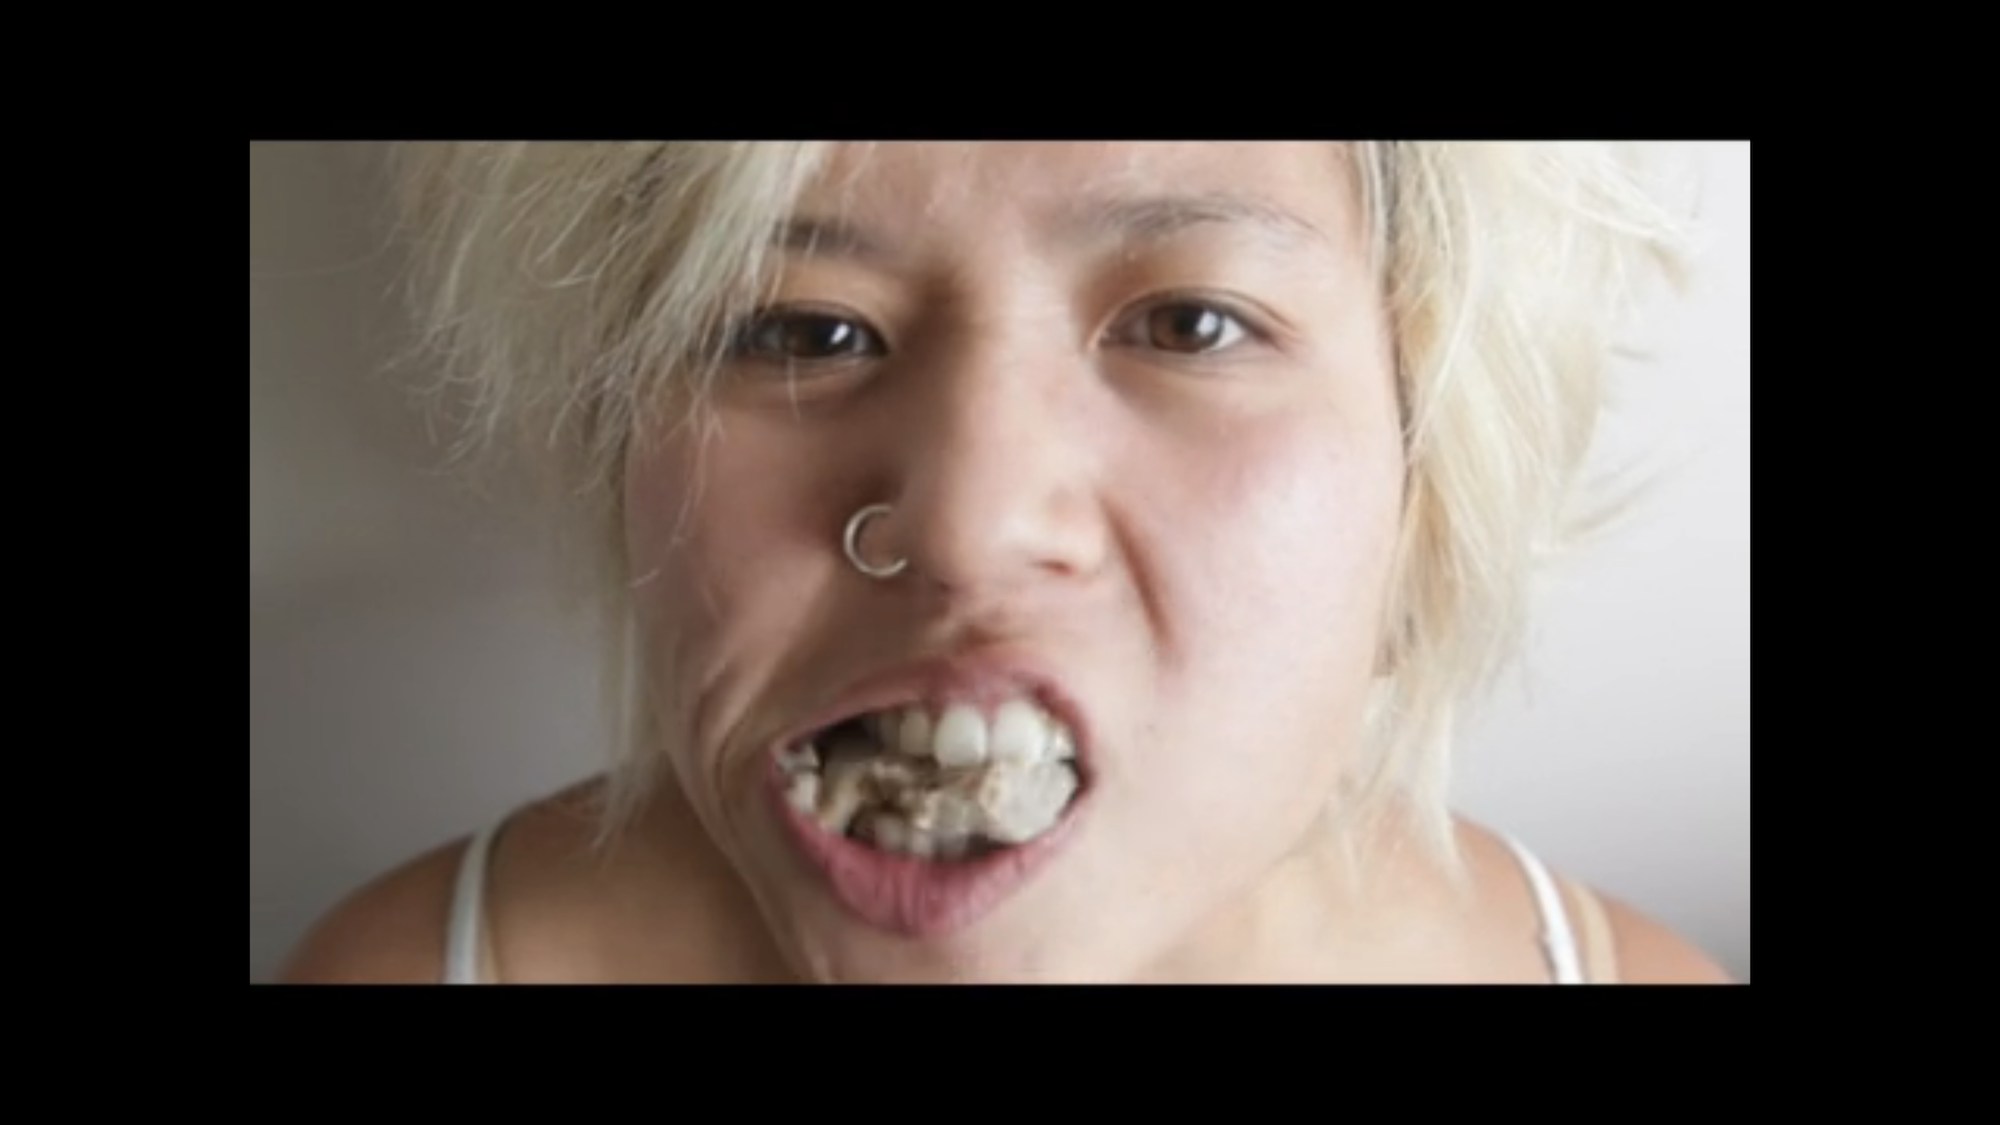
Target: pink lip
[922, 898]
[919, 898]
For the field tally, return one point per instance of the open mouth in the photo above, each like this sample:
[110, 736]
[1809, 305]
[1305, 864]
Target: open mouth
[949, 784]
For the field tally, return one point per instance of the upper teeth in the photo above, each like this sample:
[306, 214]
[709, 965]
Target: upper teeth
[961, 735]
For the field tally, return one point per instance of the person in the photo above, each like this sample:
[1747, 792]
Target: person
[1056, 562]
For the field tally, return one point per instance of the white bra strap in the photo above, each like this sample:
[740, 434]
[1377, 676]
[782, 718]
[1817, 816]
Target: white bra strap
[468, 910]
[1558, 936]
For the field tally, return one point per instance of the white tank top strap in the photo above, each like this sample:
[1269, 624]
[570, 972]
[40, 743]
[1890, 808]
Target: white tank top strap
[1558, 934]
[464, 934]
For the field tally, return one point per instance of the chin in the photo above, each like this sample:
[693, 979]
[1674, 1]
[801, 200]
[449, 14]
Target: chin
[1022, 950]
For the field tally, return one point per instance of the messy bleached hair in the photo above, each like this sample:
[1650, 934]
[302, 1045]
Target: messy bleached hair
[572, 295]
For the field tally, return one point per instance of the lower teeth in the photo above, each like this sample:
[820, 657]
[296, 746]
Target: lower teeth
[915, 808]
[887, 832]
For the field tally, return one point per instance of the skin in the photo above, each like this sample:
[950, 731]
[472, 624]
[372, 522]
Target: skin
[1153, 453]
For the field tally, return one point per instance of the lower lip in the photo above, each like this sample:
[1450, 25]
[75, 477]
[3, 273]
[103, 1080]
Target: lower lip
[919, 898]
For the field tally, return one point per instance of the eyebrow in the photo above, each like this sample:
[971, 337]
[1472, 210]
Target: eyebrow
[1119, 219]
[829, 238]
[1155, 218]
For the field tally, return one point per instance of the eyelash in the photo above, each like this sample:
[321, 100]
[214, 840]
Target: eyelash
[744, 343]
[1128, 330]
[1245, 325]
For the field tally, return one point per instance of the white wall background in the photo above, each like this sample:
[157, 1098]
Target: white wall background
[410, 678]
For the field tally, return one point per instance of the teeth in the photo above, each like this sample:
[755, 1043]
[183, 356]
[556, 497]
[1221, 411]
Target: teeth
[1001, 803]
[960, 740]
[1061, 747]
[922, 845]
[889, 774]
[803, 759]
[945, 814]
[844, 792]
[913, 733]
[891, 833]
[959, 737]
[1018, 734]
[803, 791]
[886, 832]
[1021, 802]
[914, 782]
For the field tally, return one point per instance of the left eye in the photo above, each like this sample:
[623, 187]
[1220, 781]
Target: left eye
[1185, 327]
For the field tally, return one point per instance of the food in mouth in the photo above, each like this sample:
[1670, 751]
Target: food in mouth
[950, 783]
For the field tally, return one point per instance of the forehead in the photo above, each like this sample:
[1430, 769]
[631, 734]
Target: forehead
[1075, 190]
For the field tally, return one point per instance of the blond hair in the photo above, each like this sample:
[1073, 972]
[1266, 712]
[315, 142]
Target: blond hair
[569, 294]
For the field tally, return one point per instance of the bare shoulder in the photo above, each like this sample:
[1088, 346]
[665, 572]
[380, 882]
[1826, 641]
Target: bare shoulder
[1619, 941]
[390, 931]
[1650, 953]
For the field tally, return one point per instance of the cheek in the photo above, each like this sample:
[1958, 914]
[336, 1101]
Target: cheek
[716, 595]
[1274, 605]
[1297, 531]
[665, 544]
[691, 536]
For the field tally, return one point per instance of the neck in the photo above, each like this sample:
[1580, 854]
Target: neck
[1333, 909]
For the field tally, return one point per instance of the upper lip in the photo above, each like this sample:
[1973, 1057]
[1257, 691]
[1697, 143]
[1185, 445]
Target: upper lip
[980, 678]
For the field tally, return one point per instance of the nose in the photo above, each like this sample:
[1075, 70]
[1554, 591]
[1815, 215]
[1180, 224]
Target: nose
[995, 482]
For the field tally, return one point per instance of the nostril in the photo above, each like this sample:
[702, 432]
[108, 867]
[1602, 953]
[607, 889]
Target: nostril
[986, 551]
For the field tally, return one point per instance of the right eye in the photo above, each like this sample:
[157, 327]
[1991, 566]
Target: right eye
[805, 336]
